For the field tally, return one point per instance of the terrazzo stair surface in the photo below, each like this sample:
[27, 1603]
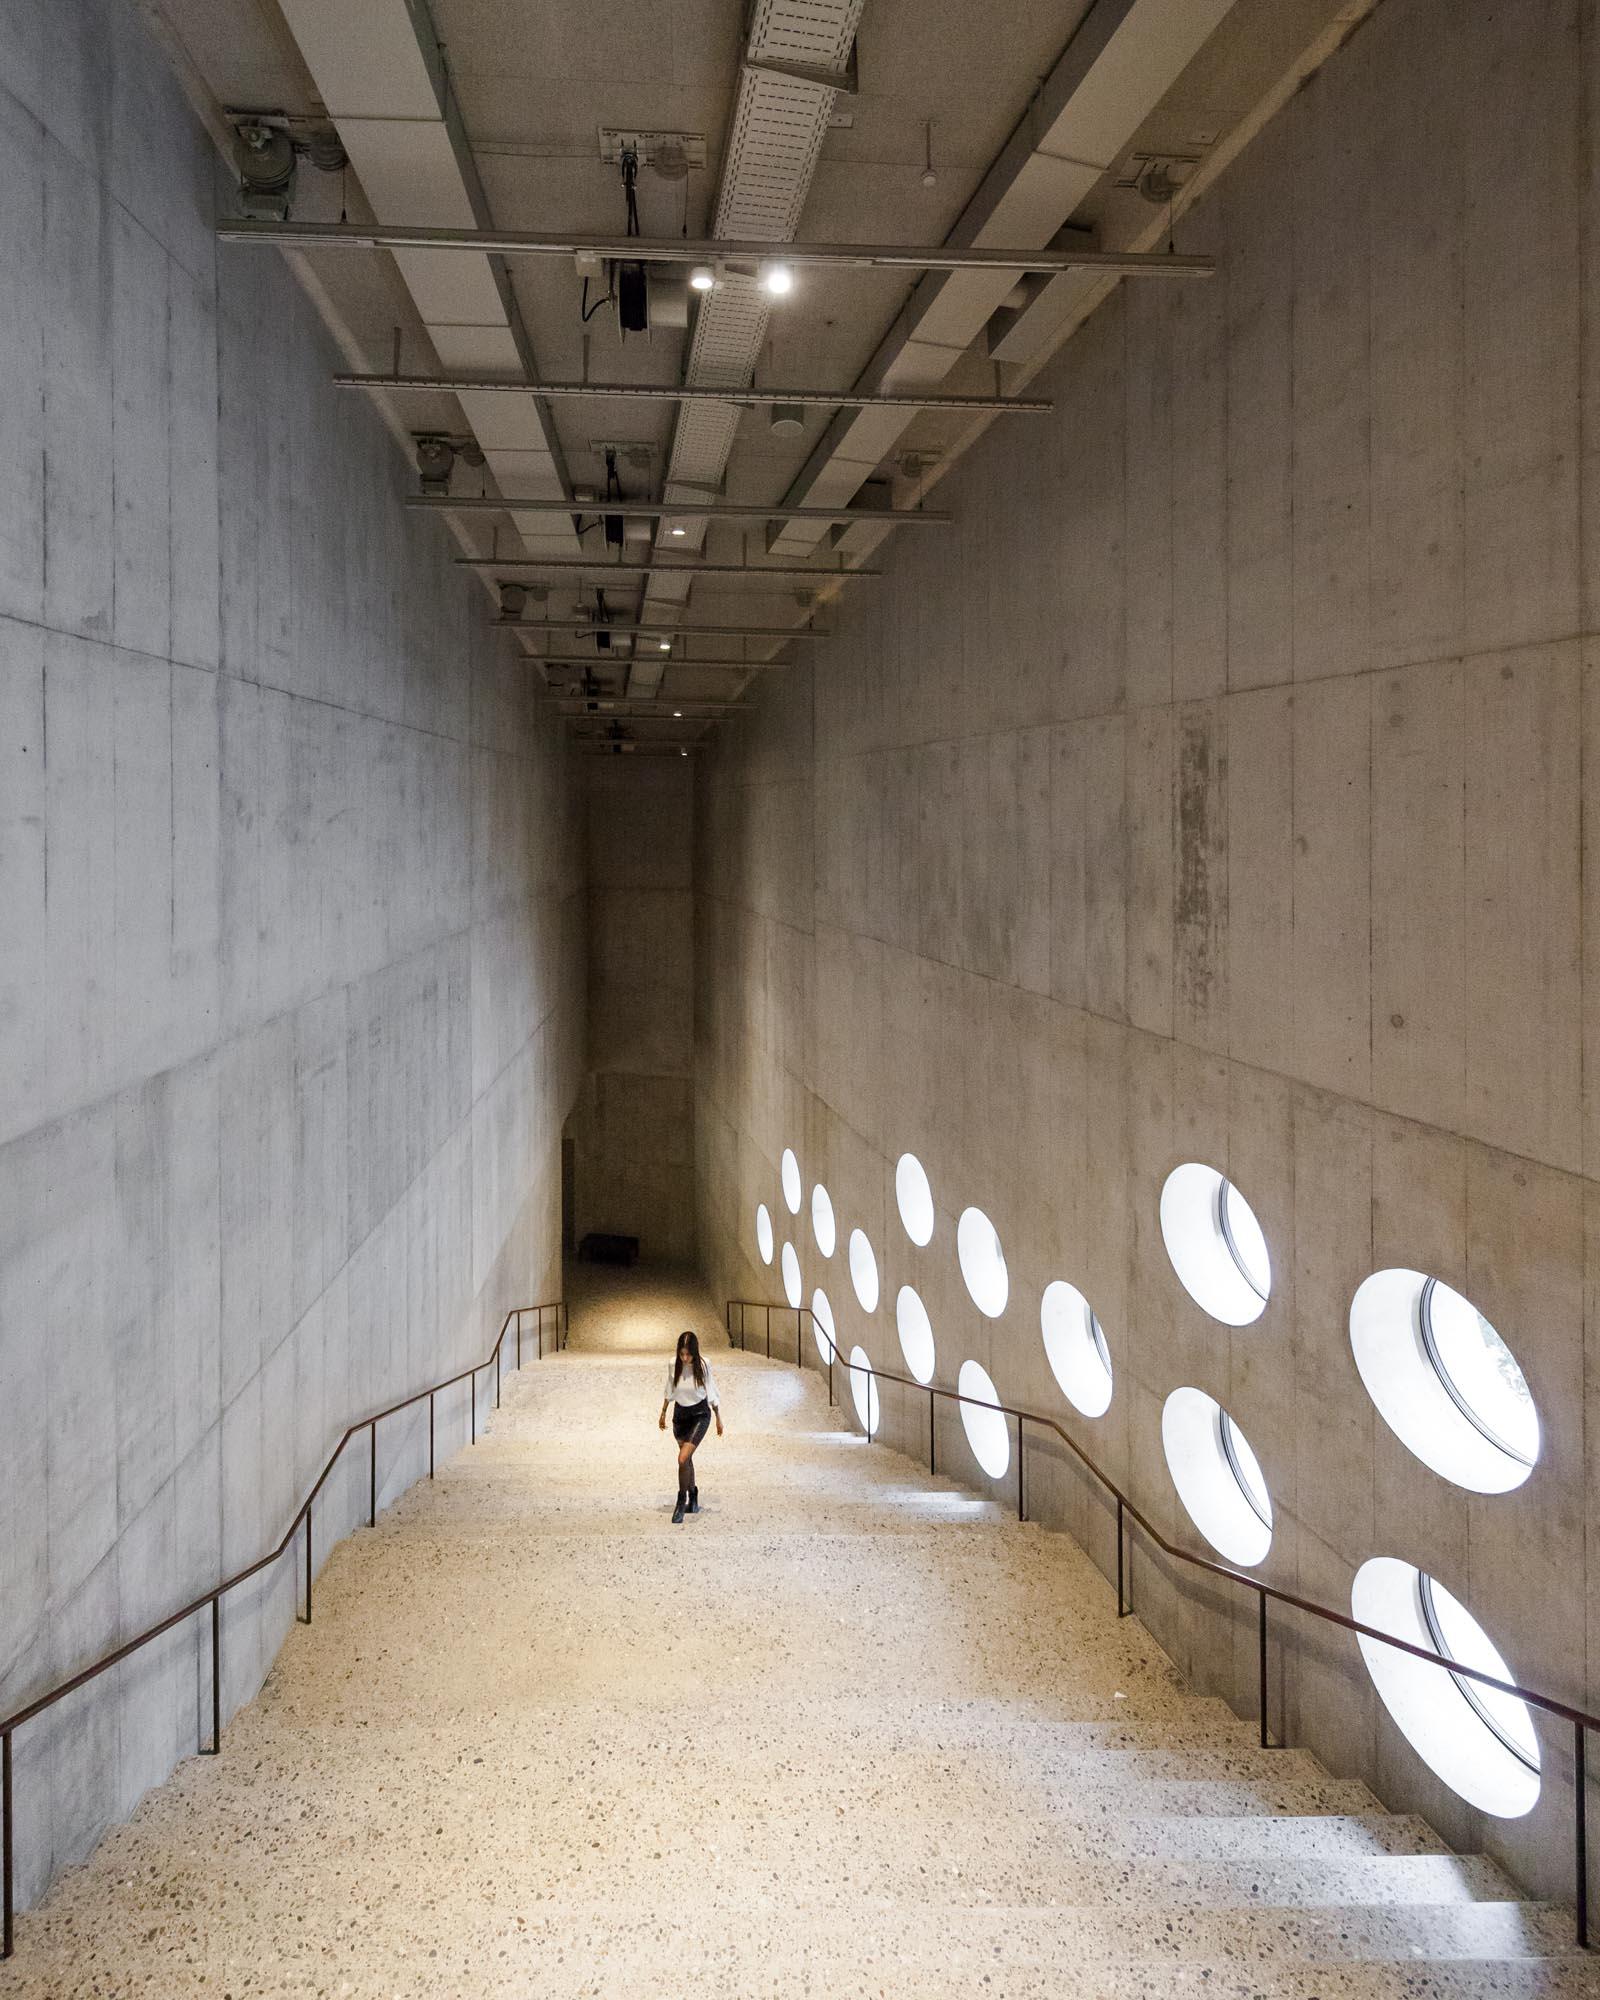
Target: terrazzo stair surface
[848, 1732]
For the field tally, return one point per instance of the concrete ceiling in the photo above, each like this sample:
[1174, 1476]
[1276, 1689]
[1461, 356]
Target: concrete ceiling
[529, 83]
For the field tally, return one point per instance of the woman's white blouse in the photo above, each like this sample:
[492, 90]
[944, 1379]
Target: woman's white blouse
[688, 1391]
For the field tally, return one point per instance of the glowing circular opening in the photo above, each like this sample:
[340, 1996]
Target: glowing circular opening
[983, 1263]
[822, 1225]
[823, 1330]
[1216, 1244]
[790, 1171]
[1479, 1741]
[987, 1430]
[790, 1264]
[915, 1199]
[1218, 1476]
[764, 1232]
[1076, 1349]
[916, 1333]
[864, 1390]
[1444, 1381]
[864, 1270]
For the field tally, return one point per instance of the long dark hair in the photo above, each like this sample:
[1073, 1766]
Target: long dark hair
[694, 1359]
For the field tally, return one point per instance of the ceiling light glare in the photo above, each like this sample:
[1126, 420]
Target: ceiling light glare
[983, 1264]
[915, 1199]
[677, 715]
[864, 1270]
[679, 532]
[1218, 1476]
[777, 280]
[822, 1224]
[791, 1275]
[1216, 1244]
[1479, 1741]
[916, 1333]
[987, 1430]
[702, 278]
[789, 1173]
[1444, 1381]
[763, 1232]
[663, 645]
[1076, 1349]
[823, 1330]
[864, 1391]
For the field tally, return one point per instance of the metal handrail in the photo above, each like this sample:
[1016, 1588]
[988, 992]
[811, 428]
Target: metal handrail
[1128, 1510]
[213, 1597]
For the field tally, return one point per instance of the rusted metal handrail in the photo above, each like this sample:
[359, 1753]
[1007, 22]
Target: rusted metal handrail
[212, 1598]
[1128, 1510]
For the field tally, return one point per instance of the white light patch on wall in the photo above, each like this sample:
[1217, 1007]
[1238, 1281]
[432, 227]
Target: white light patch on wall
[1216, 1245]
[916, 1333]
[764, 1232]
[1444, 1381]
[823, 1330]
[864, 1270]
[1076, 1348]
[1480, 1742]
[792, 1288]
[864, 1390]
[987, 1431]
[822, 1224]
[914, 1197]
[789, 1172]
[1218, 1476]
[983, 1264]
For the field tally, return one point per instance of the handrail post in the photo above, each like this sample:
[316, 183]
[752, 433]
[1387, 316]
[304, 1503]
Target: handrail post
[5, 1840]
[769, 1333]
[830, 1374]
[474, 1380]
[541, 1333]
[1261, 1666]
[1121, 1613]
[519, 1340]
[497, 1378]
[216, 1677]
[308, 1562]
[799, 1328]
[431, 1394]
[931, 1469]
[372, 1476]
[1022, 1513]
[1580, 1793]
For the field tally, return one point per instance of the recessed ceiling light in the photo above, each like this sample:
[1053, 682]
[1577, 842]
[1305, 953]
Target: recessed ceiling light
[777, 280]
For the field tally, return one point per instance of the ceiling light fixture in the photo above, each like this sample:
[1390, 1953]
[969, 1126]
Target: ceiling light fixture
[679, 533]
[702, 278]
[777, 280]
[665, 646]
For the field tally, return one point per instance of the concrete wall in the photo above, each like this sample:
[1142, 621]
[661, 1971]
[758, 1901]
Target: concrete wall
[291, 960]
[633, 1130]
[1216, 789]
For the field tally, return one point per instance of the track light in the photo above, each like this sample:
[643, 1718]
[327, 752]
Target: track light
[702, 278]
[777, 280]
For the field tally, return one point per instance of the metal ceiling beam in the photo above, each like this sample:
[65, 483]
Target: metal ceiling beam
[669, 392]
[664, 629]
[660, 510]
[629, 571]
[712, 250]
[654, 707]
[593, 660]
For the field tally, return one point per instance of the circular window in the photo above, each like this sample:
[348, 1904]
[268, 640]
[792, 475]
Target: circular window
[764, 1232]
[790, 1171]
[1217, 1475]
[864, 1390]
[916, 1333]
[864, 1270]
[822, 1220]
[1076, 1348]
[823, 1330]
[1216, 1244]
[1479, 1741]
[987, 1430]
[1444, 1381]
[912, 1192]
[983, 1263]
[790, 1264]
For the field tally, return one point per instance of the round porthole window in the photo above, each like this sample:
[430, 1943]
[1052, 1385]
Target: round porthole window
[987, 1430]
[983, 1263]
[1444, 1381]
[915, 1199]
[864, 1390]
[822, 1220]
[764, 1232]
[823, 1330]
[1076, 1349]
[789, 1172]
[790, 1265]
[916, 1333]
[1216, 1244]
[1218, 1476]
[1480, 1741]
[864, 1270]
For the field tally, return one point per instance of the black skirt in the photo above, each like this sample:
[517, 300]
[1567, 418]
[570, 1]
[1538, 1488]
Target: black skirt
[691, 1421]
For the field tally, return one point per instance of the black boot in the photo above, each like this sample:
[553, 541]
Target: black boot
[677, 1512]
[694, 1499]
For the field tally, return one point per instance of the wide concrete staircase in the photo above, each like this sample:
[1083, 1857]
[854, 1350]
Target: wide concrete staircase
[848, 1732]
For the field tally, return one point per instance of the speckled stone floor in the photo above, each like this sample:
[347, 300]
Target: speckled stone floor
[848, 1732]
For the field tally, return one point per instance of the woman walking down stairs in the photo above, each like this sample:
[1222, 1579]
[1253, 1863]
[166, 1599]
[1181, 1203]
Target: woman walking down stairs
[860, 1734]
